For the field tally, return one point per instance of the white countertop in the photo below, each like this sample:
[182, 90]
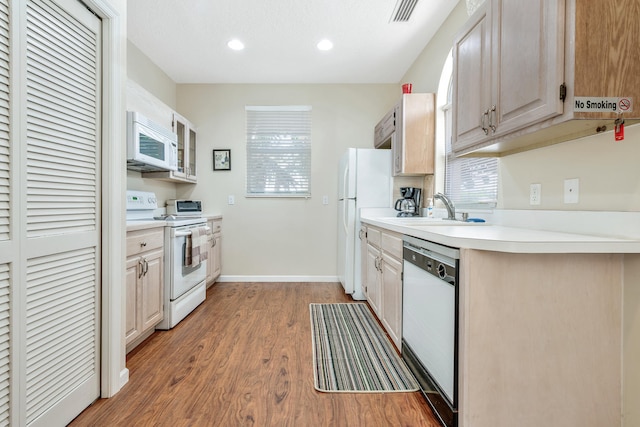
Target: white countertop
[152, 223]
[501, 238]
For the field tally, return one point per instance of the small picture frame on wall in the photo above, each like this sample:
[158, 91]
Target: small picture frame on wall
[221, 160]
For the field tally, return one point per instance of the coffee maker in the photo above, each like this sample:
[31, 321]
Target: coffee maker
[410, 202]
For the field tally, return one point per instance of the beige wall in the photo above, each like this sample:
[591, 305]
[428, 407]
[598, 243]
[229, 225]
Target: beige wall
[608, 172]
[425, 72]
[144, 72]
[271, 236]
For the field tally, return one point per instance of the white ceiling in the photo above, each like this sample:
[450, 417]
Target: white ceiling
[188, 39]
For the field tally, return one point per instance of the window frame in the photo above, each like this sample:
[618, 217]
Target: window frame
[288, 145]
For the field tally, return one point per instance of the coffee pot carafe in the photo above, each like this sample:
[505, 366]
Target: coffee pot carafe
[409, 204]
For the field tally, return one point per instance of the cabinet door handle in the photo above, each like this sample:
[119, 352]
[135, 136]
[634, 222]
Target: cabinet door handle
[140, 267]
[484, 116]
[146, 266]
[492, 118]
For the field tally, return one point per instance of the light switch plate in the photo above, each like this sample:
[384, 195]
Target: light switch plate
[231, 200]
[571, 190]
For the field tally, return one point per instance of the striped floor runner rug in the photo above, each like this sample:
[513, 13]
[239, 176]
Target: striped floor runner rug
[351, 352]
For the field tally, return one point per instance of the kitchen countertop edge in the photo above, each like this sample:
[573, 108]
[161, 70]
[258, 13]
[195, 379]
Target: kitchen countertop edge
[143, 225]
[510, 239]
[153, 223]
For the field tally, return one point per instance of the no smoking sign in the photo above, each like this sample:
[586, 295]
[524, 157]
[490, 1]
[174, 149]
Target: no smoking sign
[625, 104]
[602, 104]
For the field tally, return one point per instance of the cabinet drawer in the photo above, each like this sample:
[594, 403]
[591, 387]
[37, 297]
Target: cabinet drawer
[143, 240]
[392, 244]
[215, 226]
[373, 236]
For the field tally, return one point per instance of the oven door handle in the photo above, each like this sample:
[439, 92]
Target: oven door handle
[187, 233]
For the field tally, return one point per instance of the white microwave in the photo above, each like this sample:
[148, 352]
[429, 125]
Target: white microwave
[150, 147]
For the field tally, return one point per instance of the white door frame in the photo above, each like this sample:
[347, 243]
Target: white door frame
[114, 373]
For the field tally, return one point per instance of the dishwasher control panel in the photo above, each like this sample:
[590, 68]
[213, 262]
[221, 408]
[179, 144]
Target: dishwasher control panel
[428, 259]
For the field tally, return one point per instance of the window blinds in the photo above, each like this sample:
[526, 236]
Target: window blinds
[279, 151]
[469, 182]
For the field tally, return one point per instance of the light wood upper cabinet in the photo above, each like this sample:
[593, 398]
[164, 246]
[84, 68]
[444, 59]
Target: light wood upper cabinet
[519, 66]
[508, 69]
[186, 148]
[409, 130]
[413, 145]
[472, 81]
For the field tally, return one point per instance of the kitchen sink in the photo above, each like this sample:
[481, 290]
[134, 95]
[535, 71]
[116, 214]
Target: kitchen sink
[423, 221]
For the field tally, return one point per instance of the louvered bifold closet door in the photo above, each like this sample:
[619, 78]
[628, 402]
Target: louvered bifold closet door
[62, 223]
[7, 245]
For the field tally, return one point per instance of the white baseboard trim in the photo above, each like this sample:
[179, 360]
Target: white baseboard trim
[315, 279]
[124, 377]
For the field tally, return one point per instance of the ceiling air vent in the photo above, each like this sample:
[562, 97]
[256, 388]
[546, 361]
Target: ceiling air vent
[403, 10]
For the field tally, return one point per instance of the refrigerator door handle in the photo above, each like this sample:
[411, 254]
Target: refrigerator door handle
[345, 183]
[344, 216]
[345, 195]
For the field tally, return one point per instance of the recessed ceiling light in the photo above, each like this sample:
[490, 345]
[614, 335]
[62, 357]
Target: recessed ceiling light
[325, 44]
[235, 44]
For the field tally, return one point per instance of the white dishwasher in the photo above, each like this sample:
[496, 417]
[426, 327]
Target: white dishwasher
[430, 323]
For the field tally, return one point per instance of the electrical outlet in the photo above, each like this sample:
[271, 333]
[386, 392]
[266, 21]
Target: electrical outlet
[535, 194]
[232, 200]
[571, 190]
[325, 200]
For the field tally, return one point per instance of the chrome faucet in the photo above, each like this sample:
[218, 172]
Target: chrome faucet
[451, 209]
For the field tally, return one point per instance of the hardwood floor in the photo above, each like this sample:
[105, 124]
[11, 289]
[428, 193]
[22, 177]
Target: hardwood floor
[244, 358]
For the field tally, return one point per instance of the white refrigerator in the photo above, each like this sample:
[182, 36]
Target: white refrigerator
[364, 182]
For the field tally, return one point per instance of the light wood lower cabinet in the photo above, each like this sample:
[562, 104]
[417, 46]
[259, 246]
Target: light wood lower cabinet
[540, 331]
[373, 284]
[371, 278]
[391, 272]
[145, 284]
[383, 280]
[214, 260]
